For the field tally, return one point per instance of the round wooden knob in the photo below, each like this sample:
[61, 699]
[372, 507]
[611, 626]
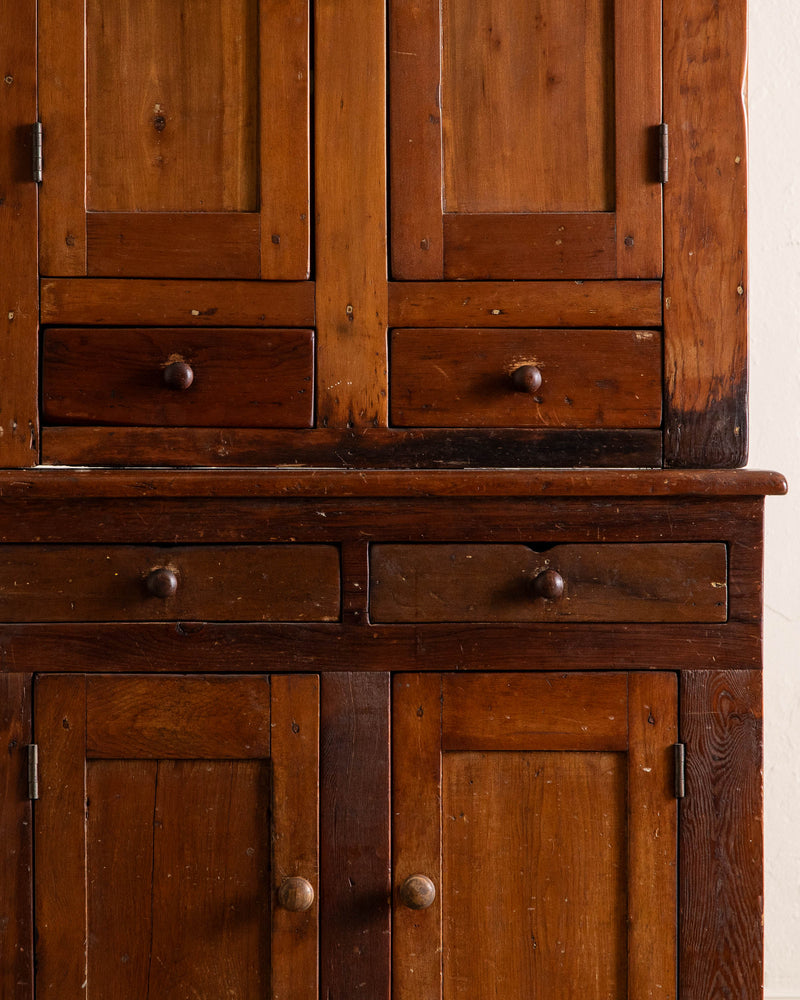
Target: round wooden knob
[417, 892]
[178, 375]
[549, 585]
[162, 583]
[527, 378]
[295, 894]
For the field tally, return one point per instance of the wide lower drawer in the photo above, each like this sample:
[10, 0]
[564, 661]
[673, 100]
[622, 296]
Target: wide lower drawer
[526, 378]
[193, 583]
[178, 378]
[653, 582]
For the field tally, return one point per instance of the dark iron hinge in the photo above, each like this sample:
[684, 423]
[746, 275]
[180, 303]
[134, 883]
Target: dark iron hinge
[37, 133]
[663, 153]
[33, 771]
[679, 750]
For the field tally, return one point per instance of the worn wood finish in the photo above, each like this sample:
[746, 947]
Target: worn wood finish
[652, 837]
[19, 442]
[462, 582]
[153, 302]
[416, 832]
[350, 234]
[507, 304]
[705, 277]
[721, 891]
[355, 809]
[528, 712]
[239, 377]
[60, 851]
[234, 583]
[464, 378]
[16, 840]
[176, 717]
[294, 724]
[350, 447]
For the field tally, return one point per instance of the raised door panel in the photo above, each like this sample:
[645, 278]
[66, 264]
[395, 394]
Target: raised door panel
[176, 138]
[541, 809]
[171, 811]
[522, 139]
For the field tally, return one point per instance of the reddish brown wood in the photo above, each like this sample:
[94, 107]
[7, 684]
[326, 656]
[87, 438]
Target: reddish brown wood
[295, 745]
[355, 807]
[151, 302]
[350, 204]
[16, 840]
[19, 422]
[525, 303]
[721, 890]
[60, 852]
[466, 378]
[705, 276]
[634, 582]
[530, 712]
[176, 717]
[238, 377]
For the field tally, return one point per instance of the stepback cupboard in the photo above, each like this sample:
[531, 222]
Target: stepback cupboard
[380, 594]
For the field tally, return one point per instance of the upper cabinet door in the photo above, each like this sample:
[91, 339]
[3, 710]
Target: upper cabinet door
[176, 138]
[524, 139]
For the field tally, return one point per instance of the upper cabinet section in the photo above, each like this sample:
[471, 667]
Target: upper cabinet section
[524, 139]
[177, 138]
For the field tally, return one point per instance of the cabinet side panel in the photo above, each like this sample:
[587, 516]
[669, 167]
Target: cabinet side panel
[705, 275]
[721, 889]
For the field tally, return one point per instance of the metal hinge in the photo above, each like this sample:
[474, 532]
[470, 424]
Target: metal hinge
[37, 133]
[33, 771]
[679, 751]
[663, 153]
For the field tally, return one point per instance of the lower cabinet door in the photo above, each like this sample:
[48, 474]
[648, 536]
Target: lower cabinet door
[176, 837]
[534, 836]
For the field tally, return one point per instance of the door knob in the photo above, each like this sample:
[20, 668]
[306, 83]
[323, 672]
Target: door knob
[295, 894]
[417, 892]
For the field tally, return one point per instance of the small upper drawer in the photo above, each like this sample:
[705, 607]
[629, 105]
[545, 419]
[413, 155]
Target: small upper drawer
[51, 583]
[178, 378]
[526, 378]
[651, 582]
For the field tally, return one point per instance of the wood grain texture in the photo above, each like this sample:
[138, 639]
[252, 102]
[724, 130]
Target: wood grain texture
[462, 582]
[60, 851]
[294, 724]
[16, 840]
[464, 378]
[355, 859]
[230, 583]
[721, 891]
[351, 244]
[62, 208]
[19, 441]
[177, 717]
[416, 832]
[530, 712]
[240, 377]
[154, 302]
[705, 276]
[652, 836]
[525, 303]
[415, 137]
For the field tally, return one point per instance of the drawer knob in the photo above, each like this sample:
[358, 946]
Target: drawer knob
[417, 892]
[549, 585]
[295, 894]
[527, 378]
[178, 375]
[162, 583]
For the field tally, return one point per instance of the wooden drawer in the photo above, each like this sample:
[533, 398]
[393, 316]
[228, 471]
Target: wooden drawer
[194, 583]
[475, 378]
[137, 377]
[654, 582]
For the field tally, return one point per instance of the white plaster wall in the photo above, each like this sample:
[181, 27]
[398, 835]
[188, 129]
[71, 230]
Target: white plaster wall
[774, 220]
